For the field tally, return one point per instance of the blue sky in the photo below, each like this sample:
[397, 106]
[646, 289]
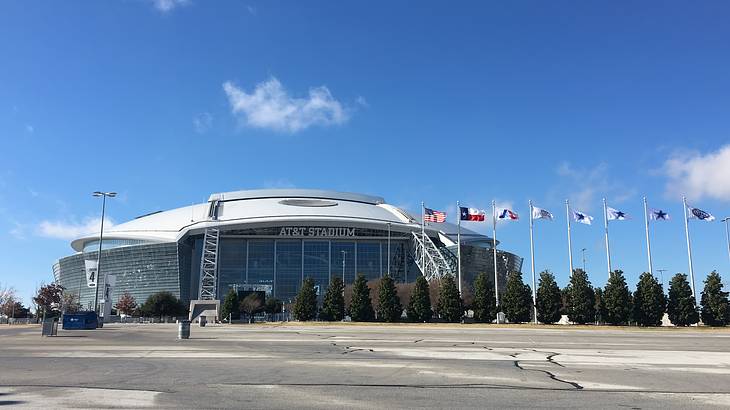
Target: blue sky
[436, 102]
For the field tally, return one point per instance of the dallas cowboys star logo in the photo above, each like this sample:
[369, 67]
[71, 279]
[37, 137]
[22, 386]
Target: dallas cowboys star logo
[660, 214]
[580, 216]
[620, 215]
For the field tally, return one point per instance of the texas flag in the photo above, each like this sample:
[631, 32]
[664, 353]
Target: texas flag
[507, 214]
[471, 214]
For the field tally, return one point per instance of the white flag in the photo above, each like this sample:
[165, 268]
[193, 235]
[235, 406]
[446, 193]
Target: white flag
[582, 218]
[539, 213]
[697, 213]
[615, 215]
[659, 215]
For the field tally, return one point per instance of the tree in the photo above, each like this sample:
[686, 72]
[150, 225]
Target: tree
[389, 306]
[549, 301]
[517, 300]
[333, 305]
[485, 306]
[272, 305]
[649, 301]
[681, 305]
[715, 309]
[305, 305]
[7, 294]
[599, 307]
[127, 304]
[252, 304]
[70, 302]
[162, 304]
[361, 306]
[48, 299]
[581, 298]
[231, 306]
[419, 305]
[14, 309]
[617, 299]
[449, 306]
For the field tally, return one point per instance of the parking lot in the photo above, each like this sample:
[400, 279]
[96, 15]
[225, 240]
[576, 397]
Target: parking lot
[365, 366]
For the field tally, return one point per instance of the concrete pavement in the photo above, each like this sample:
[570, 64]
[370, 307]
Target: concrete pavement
[365, 366]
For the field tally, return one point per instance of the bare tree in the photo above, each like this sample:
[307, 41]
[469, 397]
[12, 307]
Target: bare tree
[126, 304]
[70, 302]
[7, 294]
[251, 305]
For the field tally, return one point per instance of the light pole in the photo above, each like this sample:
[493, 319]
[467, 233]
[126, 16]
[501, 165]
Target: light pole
[583, 252]
[661, 275]
[103, 196]
[344, 253]
[727, 236]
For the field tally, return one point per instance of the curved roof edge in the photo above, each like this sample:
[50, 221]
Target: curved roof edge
[296, 193]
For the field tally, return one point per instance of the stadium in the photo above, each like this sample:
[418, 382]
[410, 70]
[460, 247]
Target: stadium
[269, 241]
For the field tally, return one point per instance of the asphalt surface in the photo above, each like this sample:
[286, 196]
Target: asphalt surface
[365, 366]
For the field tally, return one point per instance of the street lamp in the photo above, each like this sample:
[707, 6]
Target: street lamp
[727, 235]
[583, 251]
[343, 272]
[103, 196]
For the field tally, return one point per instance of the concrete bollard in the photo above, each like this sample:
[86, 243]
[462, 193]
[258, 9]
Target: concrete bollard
[183, 329]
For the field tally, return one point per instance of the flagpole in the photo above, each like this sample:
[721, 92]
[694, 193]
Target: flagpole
[689, 248]
[458, 243]
[494, 247]
[608, 248]
[570, 246]
[648, 242]
[532, 264]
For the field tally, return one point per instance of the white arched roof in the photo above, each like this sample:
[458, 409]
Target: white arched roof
[266, 207]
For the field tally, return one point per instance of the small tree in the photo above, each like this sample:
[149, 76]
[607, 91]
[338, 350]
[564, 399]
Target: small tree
[251, 304]
[581, 297]
[389, 306]
[449, 306]
[333, 305]
[419, 305]
[231, 306]
[70, 302]
[7, 294]
[361, 306]
[715, 309]
[126, 305]
[549, 301]
[162, 304]
[14, 309]
[272, 305]
[49, 299]
[681, 306]
[649, 301]
[485, 306]
[617, 299]
[517, 300]
[305, 305]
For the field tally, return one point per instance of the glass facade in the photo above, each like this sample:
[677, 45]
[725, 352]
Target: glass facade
[282, 264]
[258, 260]
[140, 270]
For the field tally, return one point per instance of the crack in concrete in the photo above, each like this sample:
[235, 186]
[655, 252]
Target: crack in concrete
[550, 375]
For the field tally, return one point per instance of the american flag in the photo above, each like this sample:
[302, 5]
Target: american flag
[429, 215]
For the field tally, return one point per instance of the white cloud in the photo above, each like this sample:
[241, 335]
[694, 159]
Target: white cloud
[251, 10]
[591, 184]
[169, 5]
[71, 230]
[29, 129]
[699, 176]
[202, 122]
[270, 106]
